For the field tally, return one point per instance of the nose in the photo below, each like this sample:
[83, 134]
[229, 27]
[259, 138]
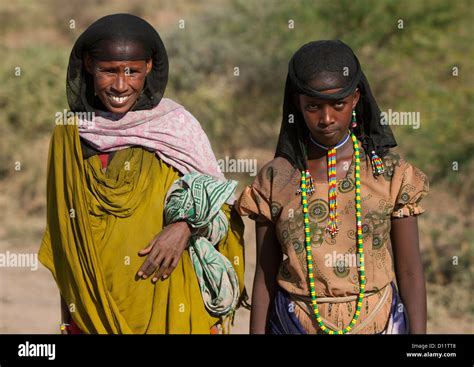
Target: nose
[326, 117]
[120, 85]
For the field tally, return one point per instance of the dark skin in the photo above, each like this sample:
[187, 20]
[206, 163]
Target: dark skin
[328, 122]
[122, 79]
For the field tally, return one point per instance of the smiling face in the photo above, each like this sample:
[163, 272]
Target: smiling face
[118, 84]
[328, 120]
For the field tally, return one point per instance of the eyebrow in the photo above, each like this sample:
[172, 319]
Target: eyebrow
[318, 100]
[115, 67]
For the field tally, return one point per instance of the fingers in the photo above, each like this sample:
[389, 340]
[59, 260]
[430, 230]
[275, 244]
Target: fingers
[152, 262]
[163, 253]
[162, 269]
[166, 270]
[170, 269]
[146, 250]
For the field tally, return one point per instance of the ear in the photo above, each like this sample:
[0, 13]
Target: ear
[356, 98]
[149, 65]
[88, 63]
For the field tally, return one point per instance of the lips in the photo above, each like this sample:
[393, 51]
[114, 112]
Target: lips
[118, 100]
[328, 132]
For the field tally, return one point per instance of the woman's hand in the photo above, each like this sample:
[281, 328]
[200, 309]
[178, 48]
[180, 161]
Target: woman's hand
[164, 251]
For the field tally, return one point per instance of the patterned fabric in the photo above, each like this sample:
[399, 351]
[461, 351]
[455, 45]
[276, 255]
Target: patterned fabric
[168, 130]
[198, 199]
[397, 193]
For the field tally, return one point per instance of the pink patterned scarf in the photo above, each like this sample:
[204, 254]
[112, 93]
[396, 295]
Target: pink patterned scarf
[168, 130]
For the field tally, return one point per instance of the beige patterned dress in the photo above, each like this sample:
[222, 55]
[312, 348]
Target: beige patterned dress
[397, 193]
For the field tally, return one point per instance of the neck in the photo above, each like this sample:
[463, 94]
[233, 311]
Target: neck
[316, 150]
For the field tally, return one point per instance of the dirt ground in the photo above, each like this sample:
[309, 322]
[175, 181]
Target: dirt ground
[29, 300]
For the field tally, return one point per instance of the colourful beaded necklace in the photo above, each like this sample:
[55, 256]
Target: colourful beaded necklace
[306, 185]
[332, 226]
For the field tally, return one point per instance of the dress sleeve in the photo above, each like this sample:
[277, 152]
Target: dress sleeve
[409, 186]
[255, 200]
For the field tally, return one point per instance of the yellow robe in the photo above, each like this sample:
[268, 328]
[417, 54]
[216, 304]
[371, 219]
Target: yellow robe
[96, 224]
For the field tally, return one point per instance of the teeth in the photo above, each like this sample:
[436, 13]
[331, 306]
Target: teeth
[118, 99]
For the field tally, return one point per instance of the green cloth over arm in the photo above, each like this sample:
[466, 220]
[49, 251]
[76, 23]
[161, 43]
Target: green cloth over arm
[198, 199]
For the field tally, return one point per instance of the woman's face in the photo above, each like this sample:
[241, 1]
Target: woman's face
[118, 84]
[328, 120]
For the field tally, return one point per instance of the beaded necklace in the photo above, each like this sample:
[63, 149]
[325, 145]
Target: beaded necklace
[307, 186]
[332, 226]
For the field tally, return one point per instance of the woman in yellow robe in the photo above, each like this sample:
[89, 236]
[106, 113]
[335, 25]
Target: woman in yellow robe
[98, 220]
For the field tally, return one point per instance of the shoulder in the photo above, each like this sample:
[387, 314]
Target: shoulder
[408, 184]
[278, 170]
[181, 117]
[397, 167]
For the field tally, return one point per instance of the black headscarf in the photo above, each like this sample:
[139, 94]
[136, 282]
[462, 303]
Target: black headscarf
[332, 60]
[97, 41]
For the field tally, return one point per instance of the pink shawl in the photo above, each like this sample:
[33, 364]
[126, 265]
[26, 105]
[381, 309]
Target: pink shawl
[168, 130]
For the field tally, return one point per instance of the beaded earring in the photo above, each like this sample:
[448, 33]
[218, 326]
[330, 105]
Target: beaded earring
[375, 160]
[309, 184]
[377, 164]
[354, 120]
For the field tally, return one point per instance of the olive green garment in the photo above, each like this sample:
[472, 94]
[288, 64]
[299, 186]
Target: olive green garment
[96, 224]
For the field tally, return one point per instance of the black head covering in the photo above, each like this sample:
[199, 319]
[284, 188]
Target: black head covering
[332, 60]
[140, 41]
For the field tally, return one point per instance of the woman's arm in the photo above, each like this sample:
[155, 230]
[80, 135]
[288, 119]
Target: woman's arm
[269, 257]
[409, 271]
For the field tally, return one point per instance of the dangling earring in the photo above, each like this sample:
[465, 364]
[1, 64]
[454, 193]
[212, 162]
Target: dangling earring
[354, 120]
[377, 164]
[309, 187]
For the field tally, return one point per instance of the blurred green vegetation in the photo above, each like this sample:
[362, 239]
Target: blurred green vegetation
[410, 69]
